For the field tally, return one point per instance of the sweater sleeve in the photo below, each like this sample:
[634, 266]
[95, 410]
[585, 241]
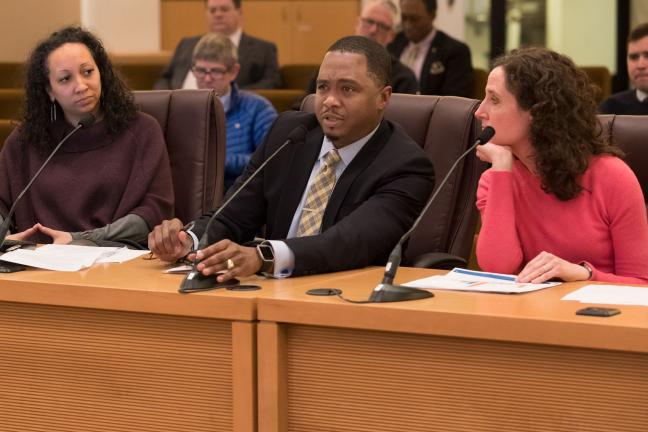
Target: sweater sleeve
[498, 244]
[626, 209]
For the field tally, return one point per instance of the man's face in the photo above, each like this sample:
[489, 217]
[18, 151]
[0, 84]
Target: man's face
[222, 16]
[348, 102]
[417, 22]
[214, 75]
[376, 23]
[638, 63]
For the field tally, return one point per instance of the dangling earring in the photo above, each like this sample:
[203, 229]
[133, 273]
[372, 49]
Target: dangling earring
[53, 112]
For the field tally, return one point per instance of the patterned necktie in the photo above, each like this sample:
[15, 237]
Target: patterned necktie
[318, 195]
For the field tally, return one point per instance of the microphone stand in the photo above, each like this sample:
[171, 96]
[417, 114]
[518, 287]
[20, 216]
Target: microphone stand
[386, 291]
[195, 280]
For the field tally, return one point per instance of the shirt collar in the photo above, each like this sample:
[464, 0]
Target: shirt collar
[641, 95]
[347, 153]
[424, 45]
[226, 100]
[236, 37]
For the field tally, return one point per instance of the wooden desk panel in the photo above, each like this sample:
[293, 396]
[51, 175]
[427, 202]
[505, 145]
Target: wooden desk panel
[116, 348]
[456, 362]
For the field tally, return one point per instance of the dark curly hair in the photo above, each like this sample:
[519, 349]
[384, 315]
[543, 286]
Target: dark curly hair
[116, 101]
[564, 129]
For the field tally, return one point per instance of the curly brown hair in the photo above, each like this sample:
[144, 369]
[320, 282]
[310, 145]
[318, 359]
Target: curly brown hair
[565, 132]
[116, 101]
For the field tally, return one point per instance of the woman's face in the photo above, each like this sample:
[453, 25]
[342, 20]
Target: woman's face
[500, 110]
[74, 81]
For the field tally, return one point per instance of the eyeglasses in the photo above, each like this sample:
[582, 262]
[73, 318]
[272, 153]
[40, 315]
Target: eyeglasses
[368, 22]
[215, 73]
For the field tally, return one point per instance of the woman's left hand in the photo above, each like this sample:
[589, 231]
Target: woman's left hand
[546, 266]
[58, 237]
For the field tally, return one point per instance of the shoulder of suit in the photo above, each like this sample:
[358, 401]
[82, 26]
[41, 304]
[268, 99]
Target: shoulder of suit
[442, 38]
[247, 39]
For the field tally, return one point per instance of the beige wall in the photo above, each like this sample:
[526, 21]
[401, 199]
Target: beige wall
[24, 22]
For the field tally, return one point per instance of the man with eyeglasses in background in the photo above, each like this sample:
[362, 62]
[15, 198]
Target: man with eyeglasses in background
[257, 57]
[377, 22]
[248, 115]
[635, 100]
[441, 63]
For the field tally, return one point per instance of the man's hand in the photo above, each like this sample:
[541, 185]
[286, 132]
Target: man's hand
[546, 266]
[168, 242]
[245, 260]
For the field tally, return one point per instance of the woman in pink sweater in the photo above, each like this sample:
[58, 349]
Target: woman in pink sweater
[557, 202]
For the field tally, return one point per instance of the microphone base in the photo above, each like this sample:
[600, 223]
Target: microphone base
[386, 293]
[196, 281]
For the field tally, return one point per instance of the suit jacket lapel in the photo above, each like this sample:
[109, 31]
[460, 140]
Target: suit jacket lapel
[301, 166]
[351, 173]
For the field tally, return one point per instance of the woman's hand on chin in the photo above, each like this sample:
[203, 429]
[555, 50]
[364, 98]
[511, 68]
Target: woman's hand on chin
[500, 156]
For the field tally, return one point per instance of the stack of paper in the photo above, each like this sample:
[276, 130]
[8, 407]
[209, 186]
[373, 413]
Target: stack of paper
[70, 257]
[470, 280]
[610, 294]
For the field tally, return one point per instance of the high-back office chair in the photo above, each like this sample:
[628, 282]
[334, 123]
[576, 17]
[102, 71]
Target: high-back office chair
[444, 126]
[193, 123]
[629, 133]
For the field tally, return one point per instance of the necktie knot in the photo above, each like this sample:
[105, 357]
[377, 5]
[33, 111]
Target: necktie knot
[331, 159]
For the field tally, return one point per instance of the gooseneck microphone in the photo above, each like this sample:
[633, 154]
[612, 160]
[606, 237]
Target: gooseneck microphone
[86, 121]
[386, 291]
[195, 280]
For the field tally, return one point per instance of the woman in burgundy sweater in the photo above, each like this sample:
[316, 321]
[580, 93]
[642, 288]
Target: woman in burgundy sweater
[557, 202]
[110, 181]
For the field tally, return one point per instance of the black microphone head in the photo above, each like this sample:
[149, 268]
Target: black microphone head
[486, 134]
[297, 134]
[87, 120]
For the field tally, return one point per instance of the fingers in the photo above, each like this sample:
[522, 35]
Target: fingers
[168, 242]
[23, 235]
[543, 267]
[243, 261]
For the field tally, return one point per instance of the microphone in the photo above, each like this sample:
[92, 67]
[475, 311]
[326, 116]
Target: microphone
[86, 121]
[195, 280]
[386, 291]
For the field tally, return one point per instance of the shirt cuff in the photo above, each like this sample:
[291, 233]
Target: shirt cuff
[194, 239]
[284, 259]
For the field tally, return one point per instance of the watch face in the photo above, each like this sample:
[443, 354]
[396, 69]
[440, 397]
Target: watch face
[267, 254]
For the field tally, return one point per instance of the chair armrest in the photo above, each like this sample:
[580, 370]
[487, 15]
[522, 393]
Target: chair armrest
[438, 260]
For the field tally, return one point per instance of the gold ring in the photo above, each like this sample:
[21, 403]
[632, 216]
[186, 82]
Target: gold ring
[230, 264]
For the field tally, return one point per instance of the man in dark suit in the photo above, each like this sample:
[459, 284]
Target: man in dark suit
[635, 100]
[441, 64]
[340, 198]
[258, 58]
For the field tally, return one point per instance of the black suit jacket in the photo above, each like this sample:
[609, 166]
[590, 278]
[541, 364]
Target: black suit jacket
[447, 69]
[374, 202]
[258, 60]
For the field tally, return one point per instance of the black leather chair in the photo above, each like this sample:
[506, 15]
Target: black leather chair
[444, 126]
[193, 123]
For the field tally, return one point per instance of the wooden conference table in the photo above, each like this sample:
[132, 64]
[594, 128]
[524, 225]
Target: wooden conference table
[115, 348]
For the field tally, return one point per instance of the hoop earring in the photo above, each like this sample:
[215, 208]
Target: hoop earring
[53, 112]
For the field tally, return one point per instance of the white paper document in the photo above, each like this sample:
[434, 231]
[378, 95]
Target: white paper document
[69, 257]
[610, 294]
[470, 280]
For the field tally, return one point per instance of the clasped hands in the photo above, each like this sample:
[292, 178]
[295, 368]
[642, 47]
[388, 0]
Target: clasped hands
[169, 242]
[58, 237]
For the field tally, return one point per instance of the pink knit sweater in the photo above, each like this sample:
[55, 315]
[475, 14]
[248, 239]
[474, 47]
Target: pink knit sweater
[605, 225]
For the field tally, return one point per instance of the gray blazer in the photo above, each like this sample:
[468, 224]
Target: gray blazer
[258, 59]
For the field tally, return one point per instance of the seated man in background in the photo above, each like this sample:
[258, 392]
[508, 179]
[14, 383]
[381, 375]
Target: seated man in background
[441, 64]
[377, 22]
[337, 197]
[249, 116]
[634, 101]
[258, 58]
